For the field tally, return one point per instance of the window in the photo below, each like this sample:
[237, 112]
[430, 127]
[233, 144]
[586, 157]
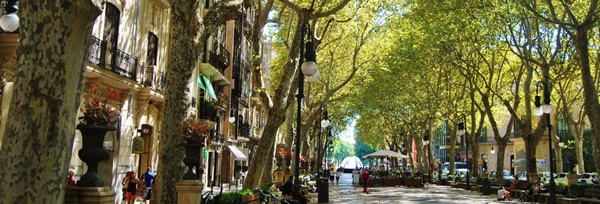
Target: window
[152, 51]
[111, 31]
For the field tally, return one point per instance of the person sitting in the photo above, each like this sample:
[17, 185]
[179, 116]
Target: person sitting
[503, 194]
[286, 189]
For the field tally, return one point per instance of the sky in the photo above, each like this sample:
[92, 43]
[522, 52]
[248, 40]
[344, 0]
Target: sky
[348, 134]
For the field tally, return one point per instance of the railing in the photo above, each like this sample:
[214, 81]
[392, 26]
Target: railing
[97, 51]
[245, 130]
[152, 79]
[121, 63]
[223, 100]
[208, 111]
[124, 64]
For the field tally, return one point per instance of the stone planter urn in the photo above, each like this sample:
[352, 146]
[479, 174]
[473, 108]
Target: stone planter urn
[191, 160]
[92, 152]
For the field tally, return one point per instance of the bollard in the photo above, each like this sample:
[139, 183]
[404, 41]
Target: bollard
[485, 187]
[323, 190]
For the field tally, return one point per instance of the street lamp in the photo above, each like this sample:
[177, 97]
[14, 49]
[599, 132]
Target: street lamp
[539, 110]
[9, 22]
[462, 131]
[493, 151]
[308, 68]
[324, 124]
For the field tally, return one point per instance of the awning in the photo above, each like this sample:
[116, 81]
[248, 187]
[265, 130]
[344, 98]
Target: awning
[204, 83]
[239, 155]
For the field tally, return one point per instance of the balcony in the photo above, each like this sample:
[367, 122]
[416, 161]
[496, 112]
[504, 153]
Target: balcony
[208, 111]
[245, 130]
[122, 64]
[150, 78]
[223, 101]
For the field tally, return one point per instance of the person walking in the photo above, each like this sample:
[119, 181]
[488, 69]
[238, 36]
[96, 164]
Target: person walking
[365, 178]
[338, 174]
[132, 187]
[147, 179]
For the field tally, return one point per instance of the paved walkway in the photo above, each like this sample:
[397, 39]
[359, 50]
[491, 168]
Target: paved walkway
[345, 192]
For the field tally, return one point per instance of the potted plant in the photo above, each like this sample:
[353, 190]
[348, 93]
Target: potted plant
[98, 118]
[193, 135]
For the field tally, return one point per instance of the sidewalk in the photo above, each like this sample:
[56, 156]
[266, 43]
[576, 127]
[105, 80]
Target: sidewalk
[345, 192]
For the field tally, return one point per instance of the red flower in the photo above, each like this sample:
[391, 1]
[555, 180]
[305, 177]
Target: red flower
[193, 131]
[96, 110]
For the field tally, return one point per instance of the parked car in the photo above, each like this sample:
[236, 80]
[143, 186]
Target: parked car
[458, 166]
[544, 176]
[560, 177]
[505, 175]
[589, 178]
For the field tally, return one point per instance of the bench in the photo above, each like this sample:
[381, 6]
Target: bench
[591, 195]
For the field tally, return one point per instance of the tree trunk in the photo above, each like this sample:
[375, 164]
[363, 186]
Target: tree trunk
[558, 153]
[181, 64]
[276, 114]
[452, 154]
[474, 158]
[38, 141]
[188, 37]
[500, 159]
[589, 89]
[579, 152]
[530, 150]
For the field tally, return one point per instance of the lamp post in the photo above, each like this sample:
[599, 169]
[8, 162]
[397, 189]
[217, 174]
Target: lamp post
[9, 22]
[324, 125]
[462, 131]
[425, 143]
[307, 66]
[539, 110]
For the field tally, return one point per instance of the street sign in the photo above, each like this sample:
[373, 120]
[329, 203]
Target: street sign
[543, 164]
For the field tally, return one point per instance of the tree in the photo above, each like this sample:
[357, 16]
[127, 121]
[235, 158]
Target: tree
[577, 19]
[188, 36]
[282, 99]
[47, 93]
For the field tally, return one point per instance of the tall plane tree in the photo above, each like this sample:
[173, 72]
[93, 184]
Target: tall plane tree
[188, 36]
[37, 145]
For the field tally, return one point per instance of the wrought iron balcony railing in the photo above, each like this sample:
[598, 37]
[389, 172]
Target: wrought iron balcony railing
[150, 78]
[122, 63]
[208, 111]
[97, 52]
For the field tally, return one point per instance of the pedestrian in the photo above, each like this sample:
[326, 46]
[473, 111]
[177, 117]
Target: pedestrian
[71, 179]
[132, 187]
[331, 174]
[365, 178]
[147, 179]
[355, 176]
[124, 184]
[338, 174]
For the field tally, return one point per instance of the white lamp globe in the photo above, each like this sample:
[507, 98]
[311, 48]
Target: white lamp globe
[561, 144]
[461, 132]
[493, 151]
[538, 111]
[314, 78]
[231, 119]
[309, 68]
[425, 142]
[325, 123]
[547, 108]
[9, 22]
